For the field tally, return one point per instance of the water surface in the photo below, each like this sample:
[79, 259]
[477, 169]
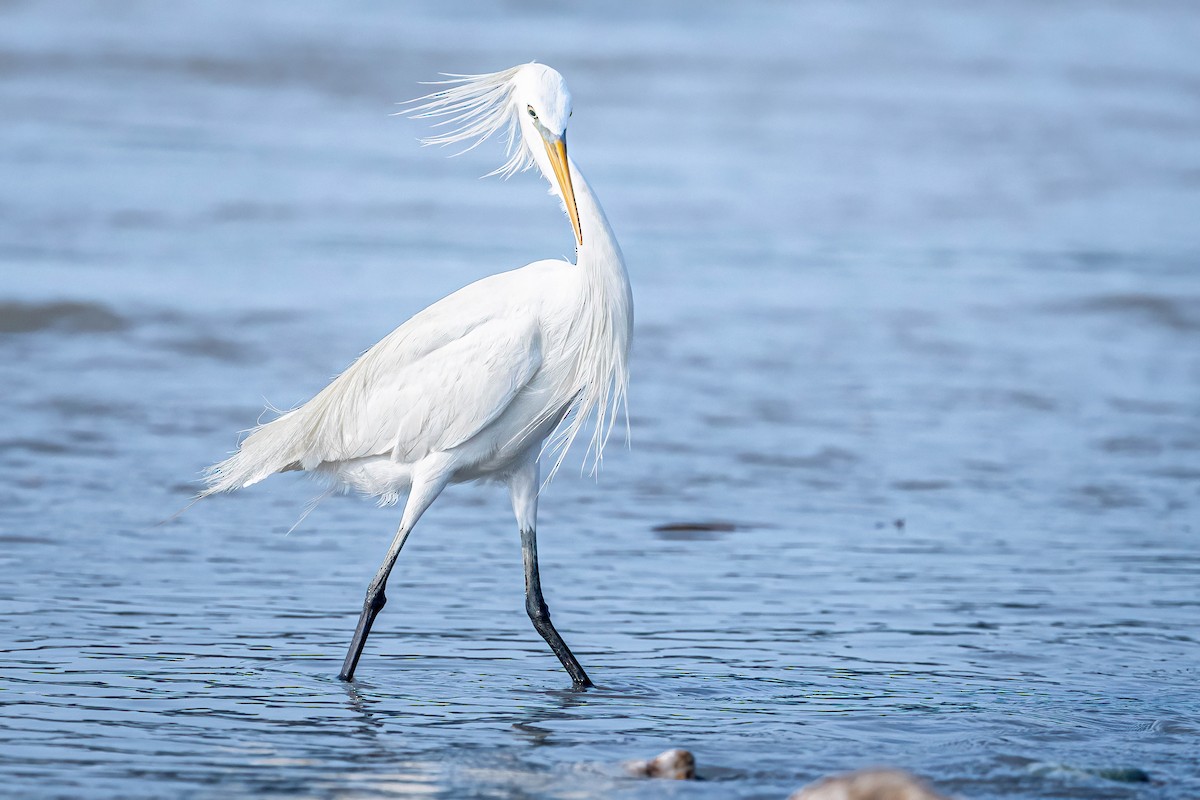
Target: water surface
[915, 457]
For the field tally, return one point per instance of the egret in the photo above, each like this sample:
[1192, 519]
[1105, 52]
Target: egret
[486, 383]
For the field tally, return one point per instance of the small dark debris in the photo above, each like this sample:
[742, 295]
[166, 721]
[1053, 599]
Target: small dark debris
[692, 531]
[679, 527]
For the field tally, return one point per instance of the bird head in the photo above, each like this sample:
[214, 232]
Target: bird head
[530, 101]
[543, 106]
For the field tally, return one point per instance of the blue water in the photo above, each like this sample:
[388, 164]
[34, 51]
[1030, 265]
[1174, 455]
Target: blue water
[915, 412]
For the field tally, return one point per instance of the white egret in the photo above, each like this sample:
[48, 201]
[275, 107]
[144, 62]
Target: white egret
[487, 382]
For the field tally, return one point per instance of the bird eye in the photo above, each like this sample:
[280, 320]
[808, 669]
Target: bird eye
[532, 113]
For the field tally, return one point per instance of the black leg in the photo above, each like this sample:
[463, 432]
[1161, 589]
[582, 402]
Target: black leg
[376, 600]
[423, 493]
[535, 604]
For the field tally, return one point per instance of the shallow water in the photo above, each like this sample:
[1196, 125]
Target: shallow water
[915, 453]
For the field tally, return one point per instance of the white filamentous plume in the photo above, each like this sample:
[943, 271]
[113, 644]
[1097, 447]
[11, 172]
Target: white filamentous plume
[473, 108]
[487, 382]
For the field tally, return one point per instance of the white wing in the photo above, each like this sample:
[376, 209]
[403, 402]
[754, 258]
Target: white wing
[432, 384]
[412, 406]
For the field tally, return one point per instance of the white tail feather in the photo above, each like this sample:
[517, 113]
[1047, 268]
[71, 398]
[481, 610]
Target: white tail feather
[270, 448]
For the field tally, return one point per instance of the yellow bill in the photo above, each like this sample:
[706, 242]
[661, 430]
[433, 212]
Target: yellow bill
[557, 150]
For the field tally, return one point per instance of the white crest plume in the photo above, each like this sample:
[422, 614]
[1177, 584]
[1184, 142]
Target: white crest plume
[475, 107]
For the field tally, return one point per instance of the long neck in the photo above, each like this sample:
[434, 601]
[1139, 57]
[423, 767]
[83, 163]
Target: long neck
[599, 250]
[603, 328]
[600, 258]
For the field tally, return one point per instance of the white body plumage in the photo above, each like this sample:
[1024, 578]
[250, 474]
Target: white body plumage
[485, 382]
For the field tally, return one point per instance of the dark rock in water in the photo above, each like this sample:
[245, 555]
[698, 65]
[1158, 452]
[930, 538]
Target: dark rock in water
[678, 765]
[1124, 775]
[1118, 774]
[869, 784]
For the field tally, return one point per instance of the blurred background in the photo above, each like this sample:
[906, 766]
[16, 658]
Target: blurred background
[915, 411]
